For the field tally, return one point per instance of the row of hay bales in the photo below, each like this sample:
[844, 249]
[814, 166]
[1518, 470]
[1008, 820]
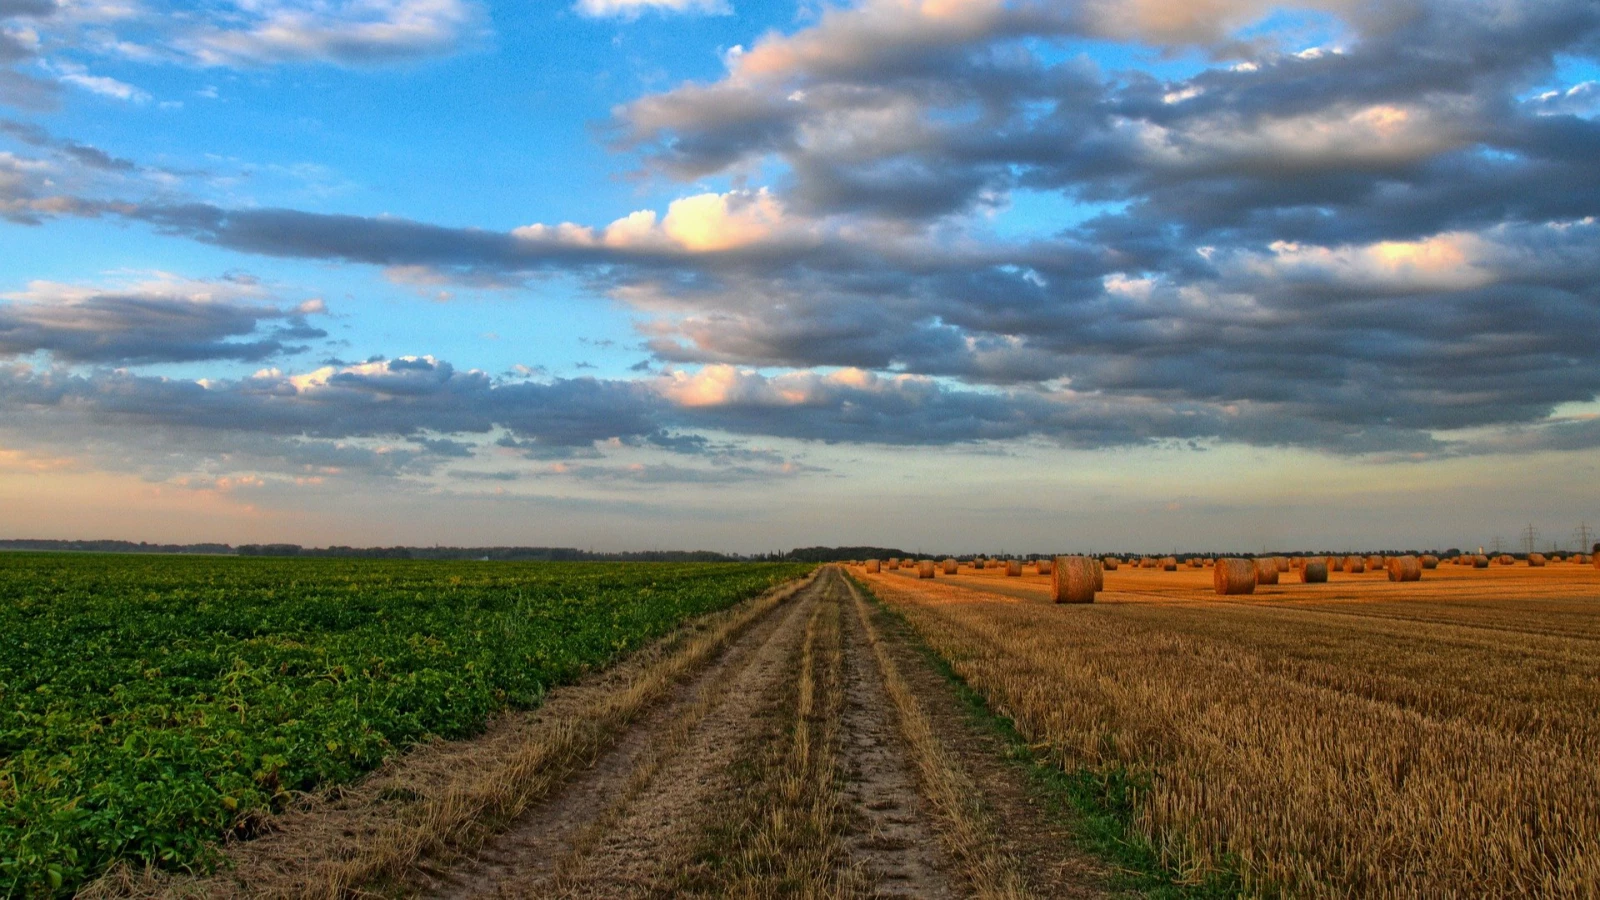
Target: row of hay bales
[1533, 560]
[1076, 579]
[927, 568]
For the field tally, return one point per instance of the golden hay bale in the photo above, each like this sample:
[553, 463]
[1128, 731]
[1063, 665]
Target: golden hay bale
[1146, 562]
[1111, 563]
[1480, 562]
[1375, 563]
[1314, 571]
[1282, 563]
[1168, 564]
[1210, 562]
[1507, 559]
[951, 567]
[1234, 576]
[1013, 568]
[1404, 568]
[1044, 566]
[894, 562]
[872, 565]
[1536, 560]
[1073, 579]
[1266, 571]
[1429, 561]
[1298, 562]
[1194, 562]
[1355, 564]
[925, 569]
[1581, 559]
[1099, 575]
[977, 564]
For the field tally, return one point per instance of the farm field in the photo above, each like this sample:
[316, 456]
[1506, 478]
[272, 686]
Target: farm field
[1358, 737]
[150, 705]
[476, 730]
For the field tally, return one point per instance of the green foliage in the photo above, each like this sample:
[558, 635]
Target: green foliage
[149, 705]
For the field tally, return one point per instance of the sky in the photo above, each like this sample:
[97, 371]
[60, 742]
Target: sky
[744, 275]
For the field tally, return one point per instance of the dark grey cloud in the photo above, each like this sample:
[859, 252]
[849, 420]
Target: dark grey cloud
[150, 326]
[82, 154]
[26, 92]
[34, 9]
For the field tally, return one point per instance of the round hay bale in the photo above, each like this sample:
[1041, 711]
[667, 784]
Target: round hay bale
[1193, 562]
[925, 569]
[1581, 559]
[1282, 562]
[1298, 562]
[1074, 579]
[1314, 571]
[1480, 562]
[1507, 559]
[1044, 566]
[1355, 565]
[1375, 563]
[1404, 568]
[894, 562]
[1536, 560]
[1210, 562]
[951, 567]
[1429, 561]
[1266, 571]
[1013, 568]
[872, 565]
[1234, 576]
[977, 564]
[1111, 563]
[1168, 564]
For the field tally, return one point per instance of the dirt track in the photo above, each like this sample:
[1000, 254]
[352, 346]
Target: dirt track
[797, 744]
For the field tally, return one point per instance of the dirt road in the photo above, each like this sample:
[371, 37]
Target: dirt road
[795, 745]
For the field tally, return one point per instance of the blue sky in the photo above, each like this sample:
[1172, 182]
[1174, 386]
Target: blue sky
[745, 275]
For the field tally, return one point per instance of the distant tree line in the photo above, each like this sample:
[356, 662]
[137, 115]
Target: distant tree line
[572, 554]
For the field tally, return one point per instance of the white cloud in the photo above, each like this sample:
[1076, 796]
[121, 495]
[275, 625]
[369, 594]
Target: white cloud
[701, 223]
[353, 32]
[104, 86]
[630, 9]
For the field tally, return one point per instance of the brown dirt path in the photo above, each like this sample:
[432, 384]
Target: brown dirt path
[798, 744]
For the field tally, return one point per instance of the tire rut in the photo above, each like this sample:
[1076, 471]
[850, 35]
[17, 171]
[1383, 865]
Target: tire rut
[895, 840]
[617, 829]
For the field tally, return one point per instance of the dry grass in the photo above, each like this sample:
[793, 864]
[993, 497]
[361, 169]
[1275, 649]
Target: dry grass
[1361, 737]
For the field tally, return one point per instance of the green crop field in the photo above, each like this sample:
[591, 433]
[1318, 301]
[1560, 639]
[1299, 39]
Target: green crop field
[149, 704]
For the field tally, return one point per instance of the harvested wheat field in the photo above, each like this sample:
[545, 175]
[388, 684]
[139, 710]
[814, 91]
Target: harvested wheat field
[1354, 738]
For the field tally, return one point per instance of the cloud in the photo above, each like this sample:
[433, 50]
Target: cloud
[351, 32]
[165, 320]
[1365, 247]
[102, 85]
[630, 9]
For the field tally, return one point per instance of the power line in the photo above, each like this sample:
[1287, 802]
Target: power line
[1530, 538]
